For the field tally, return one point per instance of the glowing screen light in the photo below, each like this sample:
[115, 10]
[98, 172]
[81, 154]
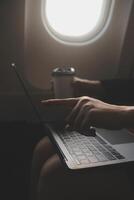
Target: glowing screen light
[73, 18]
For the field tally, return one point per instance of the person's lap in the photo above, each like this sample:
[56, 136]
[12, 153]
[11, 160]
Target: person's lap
[55, 181]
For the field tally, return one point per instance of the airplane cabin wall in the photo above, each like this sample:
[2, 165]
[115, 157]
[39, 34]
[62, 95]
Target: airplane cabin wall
[13, 103]
[126, 68]
[11, 43]
[21, 26]
[98, 60]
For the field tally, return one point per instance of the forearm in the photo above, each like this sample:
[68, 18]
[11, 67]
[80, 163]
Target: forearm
[129, 117]
[92, 88]
[115, 91]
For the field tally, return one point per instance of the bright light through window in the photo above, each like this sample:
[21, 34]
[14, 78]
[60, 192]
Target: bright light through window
[73, 18]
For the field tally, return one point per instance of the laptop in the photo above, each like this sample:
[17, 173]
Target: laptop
[81, 150]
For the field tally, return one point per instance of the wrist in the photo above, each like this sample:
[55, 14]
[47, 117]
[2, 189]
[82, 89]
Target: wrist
[128, 116]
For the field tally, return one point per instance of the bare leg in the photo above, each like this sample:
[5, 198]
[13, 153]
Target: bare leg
[43, 151]
[58, 183]
[50, 179]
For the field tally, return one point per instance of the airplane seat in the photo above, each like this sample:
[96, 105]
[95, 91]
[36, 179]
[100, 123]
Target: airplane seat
[18, 139]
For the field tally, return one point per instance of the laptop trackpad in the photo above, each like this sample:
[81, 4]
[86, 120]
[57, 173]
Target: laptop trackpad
[117, 137]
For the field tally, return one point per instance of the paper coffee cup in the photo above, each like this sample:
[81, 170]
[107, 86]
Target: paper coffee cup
[62, 81]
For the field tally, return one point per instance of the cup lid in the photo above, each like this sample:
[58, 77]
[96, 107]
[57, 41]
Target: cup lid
[61, 71]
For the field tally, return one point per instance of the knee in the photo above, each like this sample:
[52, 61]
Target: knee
[49, 182]
[52, 166]
[52, 170]
[43, 150]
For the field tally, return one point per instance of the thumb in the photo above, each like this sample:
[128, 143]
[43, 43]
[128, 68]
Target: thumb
[75, 81]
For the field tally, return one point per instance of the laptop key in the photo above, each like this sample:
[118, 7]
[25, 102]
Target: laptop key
[86, 150]
[109, 156]
[78, 153]
[75, 159]
[88, 154]
[119, 156]
[82, 157]
[101, 158]
[101, 141]
[85, 161]
[75, 149]
[93, 159]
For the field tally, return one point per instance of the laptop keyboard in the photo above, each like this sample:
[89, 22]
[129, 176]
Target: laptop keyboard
[87, 150]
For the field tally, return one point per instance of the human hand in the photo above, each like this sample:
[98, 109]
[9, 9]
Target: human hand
[88, 112]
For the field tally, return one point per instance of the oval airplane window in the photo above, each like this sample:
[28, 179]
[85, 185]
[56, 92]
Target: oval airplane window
[75, 21]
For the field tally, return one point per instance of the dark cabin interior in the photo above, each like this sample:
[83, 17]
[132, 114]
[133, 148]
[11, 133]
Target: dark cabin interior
[19, 126]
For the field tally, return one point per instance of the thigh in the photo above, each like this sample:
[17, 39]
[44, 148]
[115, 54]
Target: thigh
[57, 182]
[43, 150]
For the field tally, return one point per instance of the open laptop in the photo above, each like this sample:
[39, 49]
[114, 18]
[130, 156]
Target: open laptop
[80, 150]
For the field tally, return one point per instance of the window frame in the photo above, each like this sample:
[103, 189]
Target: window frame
[90, 37]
